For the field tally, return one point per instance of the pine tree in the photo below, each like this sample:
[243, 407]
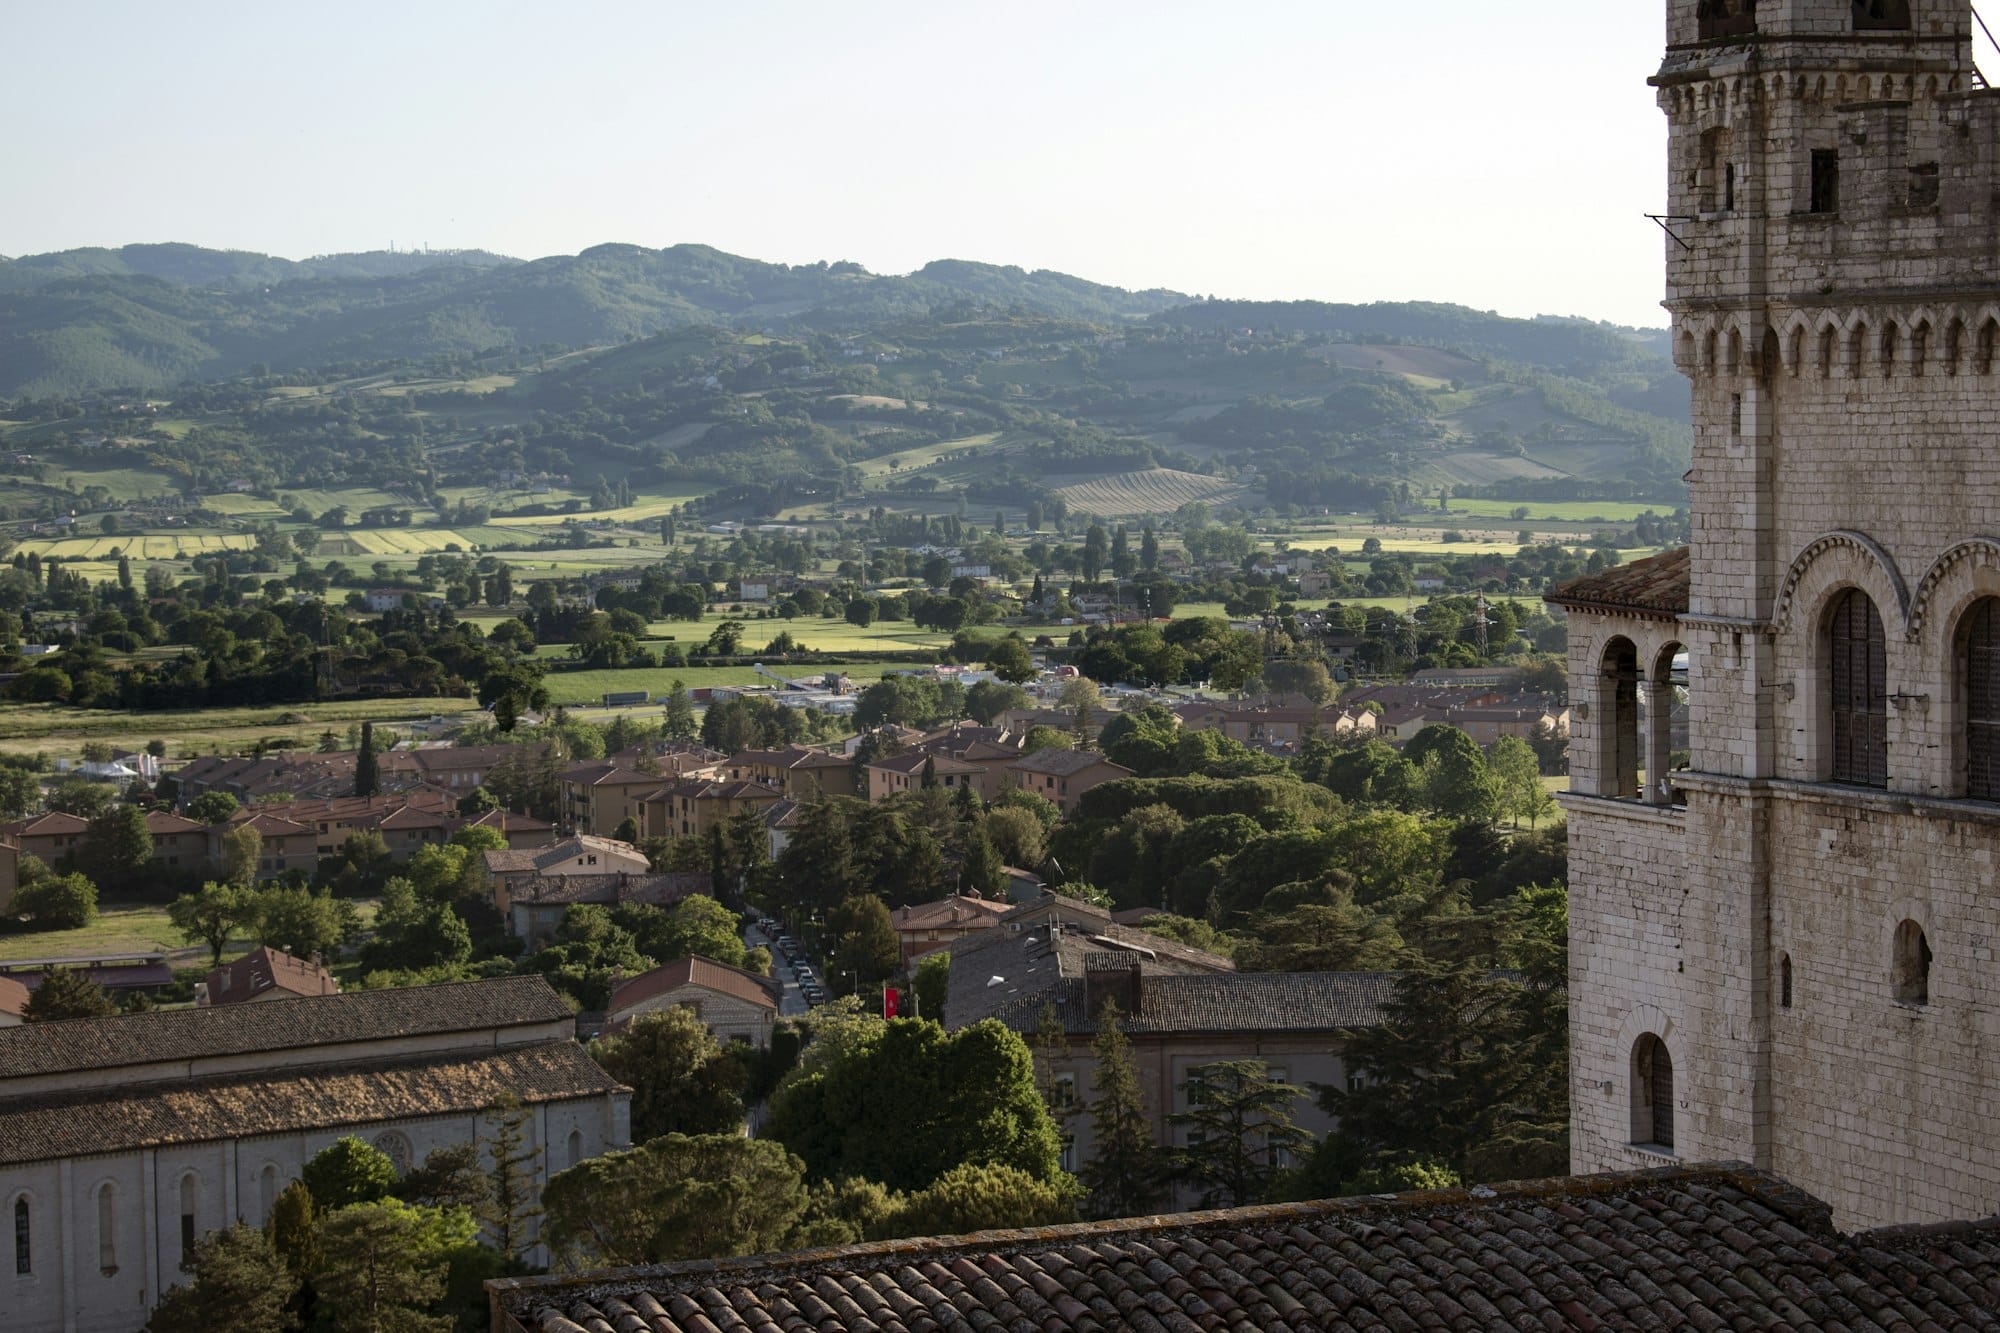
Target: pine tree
[67, 992]
[982, 871]
[1240, 1128]
[929, 776]
[680, 724]
[1127, 1173]
[235, 1279]
[1149, 549]
[511, 1208]
[366, 781]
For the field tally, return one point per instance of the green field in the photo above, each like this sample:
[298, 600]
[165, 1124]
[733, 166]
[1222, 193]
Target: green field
[57, 729]
[573, 688]
[179, 546]
[130, 929]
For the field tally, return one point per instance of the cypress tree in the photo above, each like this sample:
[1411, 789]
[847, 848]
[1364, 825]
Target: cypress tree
[366, 780]
[1127, 1173]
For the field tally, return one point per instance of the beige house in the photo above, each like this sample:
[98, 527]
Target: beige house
[599, 796]
[905, 772]
[1063, 776]
[801, 772]
[581, 855]
[691, 807]
[735, 1005]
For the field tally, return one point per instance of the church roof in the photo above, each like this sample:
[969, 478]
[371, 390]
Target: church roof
[284, 1100]
[1709, 1247]
[76, 1044]
[1655, 586]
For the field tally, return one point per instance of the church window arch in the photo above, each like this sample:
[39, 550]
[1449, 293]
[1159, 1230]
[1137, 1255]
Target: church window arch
[1856, 652]
[1979, 688]
[575, 1146]
[190, 1199]
[1920, 347]
[1954, 345]
[107, 1228]
[24, 1237]
[267, 1189]
[395, 1147]
[1910, 976]
[1989, 335]
[1891, 347]
[1652, 1093]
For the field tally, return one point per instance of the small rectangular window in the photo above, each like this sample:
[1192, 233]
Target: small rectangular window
[1729, 187]
[1825, 181]
[1924, 185]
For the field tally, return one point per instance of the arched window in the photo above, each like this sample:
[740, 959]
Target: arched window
[1981, 687]
[575, 1146]
[1912, 973]
[1618, 721]
[24, 1240]
[107, 1228]
[1725, 18]
[1858, 662]
[1784, 981]
[1881, 15]
[267, 1189]
[1652, 1094]
[189, 1187]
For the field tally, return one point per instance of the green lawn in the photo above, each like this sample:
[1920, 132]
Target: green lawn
[575, 688]
[122, 928]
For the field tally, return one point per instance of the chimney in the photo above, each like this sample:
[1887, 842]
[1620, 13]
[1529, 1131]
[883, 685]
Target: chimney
[1111, 976]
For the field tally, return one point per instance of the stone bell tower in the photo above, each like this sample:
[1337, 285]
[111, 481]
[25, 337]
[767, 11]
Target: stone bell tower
[1783, 938]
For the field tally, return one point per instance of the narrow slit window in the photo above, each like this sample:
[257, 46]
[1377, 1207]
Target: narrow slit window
[1825, 197]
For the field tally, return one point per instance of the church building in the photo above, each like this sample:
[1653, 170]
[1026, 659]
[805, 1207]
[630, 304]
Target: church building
[1782, 939]
[124, 1140]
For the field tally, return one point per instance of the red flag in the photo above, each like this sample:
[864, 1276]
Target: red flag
[889, 999]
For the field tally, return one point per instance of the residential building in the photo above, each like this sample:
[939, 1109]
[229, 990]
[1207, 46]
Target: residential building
[923, 928]
[735, 1005]
[801, 772]
[533, 906]
[265, 974]
[896, 774]
[600, 795]
[124, 1140]
[178, 843]
[1063, 776]
[286, 844]
[691, 807]
[579, 856]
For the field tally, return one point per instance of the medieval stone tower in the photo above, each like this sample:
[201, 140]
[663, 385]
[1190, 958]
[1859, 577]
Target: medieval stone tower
[1783, 943]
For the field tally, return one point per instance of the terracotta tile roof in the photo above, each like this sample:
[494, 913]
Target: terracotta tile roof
[55, 823]
[1224, 1002]
[617, 887]
[188, 1034]
[263, 970]
[1655, 586]
[694, 970]
[959, 910]
[269, 825]
[914, 762]
[278, 1101]
[159, 823]
[1063, 763]
[522, 860]
[1709, 1248]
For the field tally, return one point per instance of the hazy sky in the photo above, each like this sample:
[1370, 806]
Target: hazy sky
[1501, 156]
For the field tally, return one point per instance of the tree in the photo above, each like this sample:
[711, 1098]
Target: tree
[681, 1079]
[235, 1279]
[1287, 676]
[117, 846]
[1017, 836]
[366, 780]
[981, 870]
[214, 915]
[1149, 549]
[67, 992]
[1093, 552]
[348, 1171]
[1240, 1128]
[242, 850]
[510, 1208]
[1127, 1172]
[1008, 658]
[80, 797]
[933, 983]
[981, 1197]
[56, 902]
[294, 1230]
[864, 938]
[378, 1269]
[680, 724]
[986, 700]
[1517, 776]
[676, 1198]
[1079, 693]
[448, 1177]
[303, 923]
[212, 807]
[20, 789]
[903, 1102]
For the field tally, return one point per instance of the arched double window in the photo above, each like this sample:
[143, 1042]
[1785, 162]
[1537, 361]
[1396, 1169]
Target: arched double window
[1858, 677]
[1652, 1094]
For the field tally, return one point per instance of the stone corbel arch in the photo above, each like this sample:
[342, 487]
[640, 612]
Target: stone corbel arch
[1837, 560]
[1955, 580]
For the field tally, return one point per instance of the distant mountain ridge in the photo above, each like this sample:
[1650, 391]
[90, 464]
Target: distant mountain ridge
[151, 316]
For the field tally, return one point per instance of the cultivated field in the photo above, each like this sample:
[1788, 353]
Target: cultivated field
[1151, 491]
[178, 546]
[56, 729]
